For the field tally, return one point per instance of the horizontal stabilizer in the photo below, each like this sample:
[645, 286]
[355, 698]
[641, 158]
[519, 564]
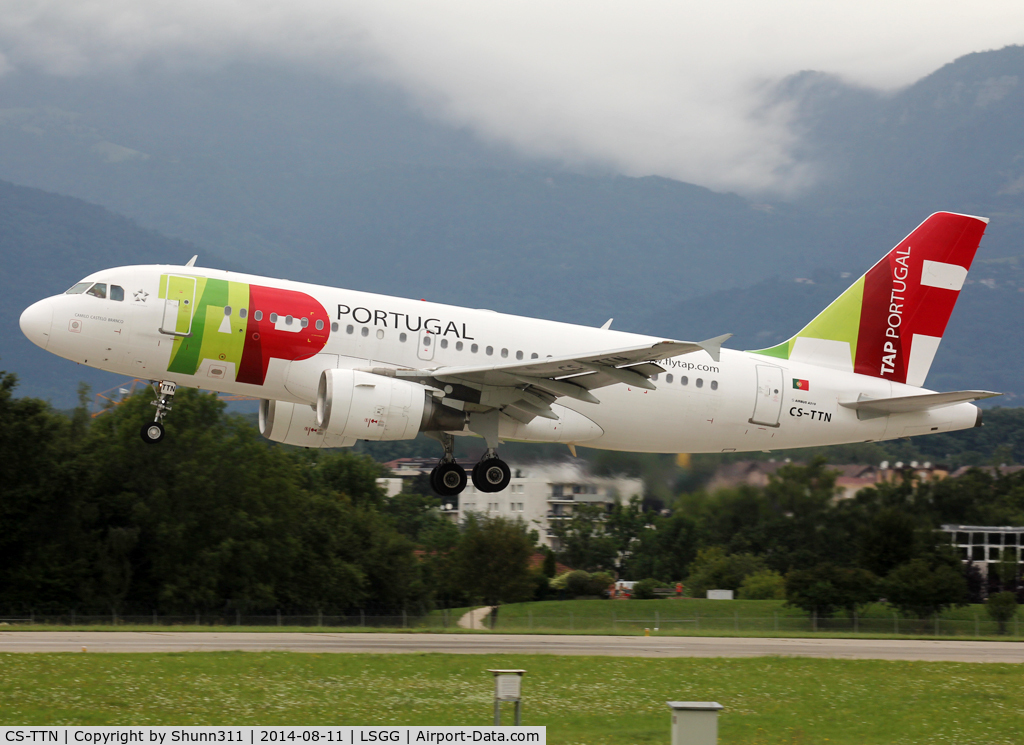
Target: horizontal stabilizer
[907, 404]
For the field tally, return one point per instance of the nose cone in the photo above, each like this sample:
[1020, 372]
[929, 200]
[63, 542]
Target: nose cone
[36, 322]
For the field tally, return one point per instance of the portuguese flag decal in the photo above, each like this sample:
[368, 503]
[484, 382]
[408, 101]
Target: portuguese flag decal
[801, 385]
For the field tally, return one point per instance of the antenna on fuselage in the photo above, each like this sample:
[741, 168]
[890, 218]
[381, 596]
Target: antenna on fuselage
[192, 261]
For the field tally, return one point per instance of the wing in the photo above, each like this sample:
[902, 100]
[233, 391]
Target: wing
[526, 389]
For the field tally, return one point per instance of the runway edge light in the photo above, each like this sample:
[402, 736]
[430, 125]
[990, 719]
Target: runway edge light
[694, 722]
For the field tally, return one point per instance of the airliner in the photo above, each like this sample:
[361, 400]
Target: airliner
[332, 366]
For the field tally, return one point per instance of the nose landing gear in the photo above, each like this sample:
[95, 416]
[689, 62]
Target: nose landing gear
[153, 432]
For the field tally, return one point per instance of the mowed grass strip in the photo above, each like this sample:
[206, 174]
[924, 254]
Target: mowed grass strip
[618, 701]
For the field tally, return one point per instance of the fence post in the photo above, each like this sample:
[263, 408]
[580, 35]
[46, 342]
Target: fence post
[278, 616]
[572, 624]
[529, 615]
[814, 620]
[197, 618]
[696, 618]
[319, 617]
[977, 631]
[72, 617]
[154, 618]
[657, 620]
[856, 624]
[736, 619]
[362, 617]
[775, 618]
[113, 617]
[405, 621]
[1016, 624]
[895, 623]
[936, 624]
[238, 617]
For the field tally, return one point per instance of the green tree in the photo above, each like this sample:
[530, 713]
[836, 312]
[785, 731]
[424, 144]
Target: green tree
[923, 588]
[713, 569]
[888, 540]
[584, 538]
[1001, 608]
[493, 559]
[766, 584]
[826, 589]
[45, 542]
[549, 567]
[666, 551]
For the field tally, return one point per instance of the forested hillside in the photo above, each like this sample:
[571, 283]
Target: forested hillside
[49, 242]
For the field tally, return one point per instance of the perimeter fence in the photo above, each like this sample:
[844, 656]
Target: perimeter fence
[614, 622]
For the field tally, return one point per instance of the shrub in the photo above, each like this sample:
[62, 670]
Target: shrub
[644, 589]
[579, 583]
[827, 588]
[1001, 608]
[764, 585]
[922, 589]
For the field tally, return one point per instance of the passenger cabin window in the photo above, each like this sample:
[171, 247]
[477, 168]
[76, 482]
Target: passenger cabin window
[79, 288]
[319, 324]
[258, 315]
[241, 312]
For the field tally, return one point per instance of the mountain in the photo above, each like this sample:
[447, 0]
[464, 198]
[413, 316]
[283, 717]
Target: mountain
[297, 175]
[980, 349]
[49, 242]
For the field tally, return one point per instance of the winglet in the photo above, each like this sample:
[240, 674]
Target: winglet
[192, 261]
[607, 324]
[714, 346]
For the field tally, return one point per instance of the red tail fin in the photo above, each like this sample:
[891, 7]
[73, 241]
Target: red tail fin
[909, 296]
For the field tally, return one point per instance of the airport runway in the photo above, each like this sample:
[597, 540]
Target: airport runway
[615, 646]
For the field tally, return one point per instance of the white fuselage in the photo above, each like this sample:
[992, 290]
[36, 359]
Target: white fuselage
[744, 401]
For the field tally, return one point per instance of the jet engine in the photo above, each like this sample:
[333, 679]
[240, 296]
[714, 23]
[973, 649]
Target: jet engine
[366, 406]
[295, 424]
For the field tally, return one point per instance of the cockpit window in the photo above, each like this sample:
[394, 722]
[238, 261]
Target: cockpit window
[116, 293]
[98, 290]
[78, 289]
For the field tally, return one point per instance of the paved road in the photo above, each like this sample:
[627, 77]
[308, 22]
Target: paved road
[619, 646]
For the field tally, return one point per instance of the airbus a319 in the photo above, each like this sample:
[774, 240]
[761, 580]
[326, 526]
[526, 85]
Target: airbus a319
[333, 366]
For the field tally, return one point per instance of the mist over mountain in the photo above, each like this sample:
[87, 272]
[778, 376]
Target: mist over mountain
[287, 173]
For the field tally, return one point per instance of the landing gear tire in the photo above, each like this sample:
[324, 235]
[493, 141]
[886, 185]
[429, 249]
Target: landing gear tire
[448, 479]
[491, 475]
[152, 433]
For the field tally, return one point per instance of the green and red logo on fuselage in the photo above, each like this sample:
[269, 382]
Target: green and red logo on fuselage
[238, 326]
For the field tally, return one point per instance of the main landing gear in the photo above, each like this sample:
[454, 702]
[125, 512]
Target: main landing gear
[448, 478]
[153, 432]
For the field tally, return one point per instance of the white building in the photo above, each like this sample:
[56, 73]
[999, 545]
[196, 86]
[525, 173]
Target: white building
[539, 494]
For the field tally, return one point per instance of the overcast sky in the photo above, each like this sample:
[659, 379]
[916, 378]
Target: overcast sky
[644, 87]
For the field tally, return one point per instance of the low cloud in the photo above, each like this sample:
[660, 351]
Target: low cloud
[658, 87]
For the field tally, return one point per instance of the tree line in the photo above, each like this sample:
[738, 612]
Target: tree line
[793, 539]
[215, 518]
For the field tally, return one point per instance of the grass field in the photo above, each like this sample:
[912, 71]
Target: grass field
[618, 701]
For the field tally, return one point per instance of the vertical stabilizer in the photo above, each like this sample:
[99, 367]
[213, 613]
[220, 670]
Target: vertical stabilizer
[889, 323]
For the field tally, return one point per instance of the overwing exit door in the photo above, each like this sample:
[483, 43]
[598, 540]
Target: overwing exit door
[768, 401]
[179, 305]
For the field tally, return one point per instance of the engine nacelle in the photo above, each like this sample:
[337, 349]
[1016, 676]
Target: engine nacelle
[355, 403]
[295, 424]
